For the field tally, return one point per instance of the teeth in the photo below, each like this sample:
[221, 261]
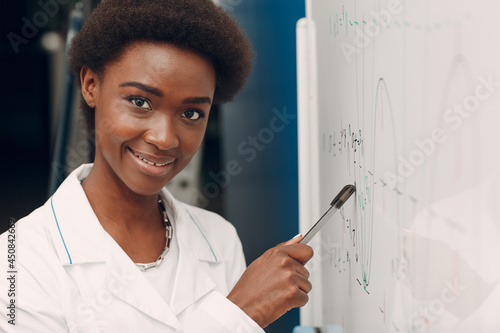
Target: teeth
[149, 162]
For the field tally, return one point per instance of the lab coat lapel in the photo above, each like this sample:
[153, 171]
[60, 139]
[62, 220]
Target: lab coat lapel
[192, 281]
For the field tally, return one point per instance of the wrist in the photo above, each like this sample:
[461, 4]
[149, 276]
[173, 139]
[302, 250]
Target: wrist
[245, 306]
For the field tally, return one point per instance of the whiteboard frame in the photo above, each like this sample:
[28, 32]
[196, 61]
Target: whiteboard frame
[308, 152]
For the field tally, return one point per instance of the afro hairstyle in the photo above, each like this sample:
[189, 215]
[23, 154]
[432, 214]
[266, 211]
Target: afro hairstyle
[197, 25]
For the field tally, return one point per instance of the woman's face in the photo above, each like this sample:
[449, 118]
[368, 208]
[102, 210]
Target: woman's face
[151, 112]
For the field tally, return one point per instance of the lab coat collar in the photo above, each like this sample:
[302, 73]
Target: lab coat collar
[189, 230]
[80, 238]
[78, 233]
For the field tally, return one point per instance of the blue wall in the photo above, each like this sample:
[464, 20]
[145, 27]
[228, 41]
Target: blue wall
[262, 200]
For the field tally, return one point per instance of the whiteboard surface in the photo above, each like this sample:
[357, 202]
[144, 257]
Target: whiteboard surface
[406, 107]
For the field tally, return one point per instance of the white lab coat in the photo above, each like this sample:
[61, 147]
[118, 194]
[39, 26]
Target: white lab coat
[73, 277]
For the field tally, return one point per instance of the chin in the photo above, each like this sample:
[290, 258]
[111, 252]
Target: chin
[147, 188]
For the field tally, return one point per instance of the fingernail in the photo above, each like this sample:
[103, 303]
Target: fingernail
[298, 235]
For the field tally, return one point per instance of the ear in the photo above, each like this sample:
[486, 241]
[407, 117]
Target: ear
[90, 86]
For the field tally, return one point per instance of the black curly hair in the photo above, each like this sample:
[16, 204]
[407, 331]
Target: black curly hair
[197, 25]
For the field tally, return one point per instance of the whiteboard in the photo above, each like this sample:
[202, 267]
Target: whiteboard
[401, 98]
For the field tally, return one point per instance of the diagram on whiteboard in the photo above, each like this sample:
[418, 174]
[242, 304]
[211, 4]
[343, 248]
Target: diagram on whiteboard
[406, 106]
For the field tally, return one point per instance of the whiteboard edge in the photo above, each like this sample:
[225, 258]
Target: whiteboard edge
[307, 125]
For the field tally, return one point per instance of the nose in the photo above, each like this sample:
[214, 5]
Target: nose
[163, 134]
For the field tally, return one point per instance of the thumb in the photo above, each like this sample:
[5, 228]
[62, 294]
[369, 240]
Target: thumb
[294, 240]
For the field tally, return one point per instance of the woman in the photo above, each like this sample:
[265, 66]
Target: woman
[112, 250]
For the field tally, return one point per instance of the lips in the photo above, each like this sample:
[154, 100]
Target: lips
[152, 160]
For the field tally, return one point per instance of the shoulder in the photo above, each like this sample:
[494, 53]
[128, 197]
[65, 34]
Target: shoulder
[211, 225]
[31, 231]
[32, 237]
[34, 253]
[208, 219]
[216, 238]
[207, 234]
[217, 229]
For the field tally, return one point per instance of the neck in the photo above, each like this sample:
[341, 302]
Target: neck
[116, 206]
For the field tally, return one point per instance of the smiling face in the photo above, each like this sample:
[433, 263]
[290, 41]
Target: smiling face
[151, 112]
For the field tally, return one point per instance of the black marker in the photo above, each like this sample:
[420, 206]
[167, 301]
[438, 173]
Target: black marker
[337, 202]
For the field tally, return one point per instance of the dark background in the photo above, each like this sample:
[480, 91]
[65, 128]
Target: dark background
[25, 118]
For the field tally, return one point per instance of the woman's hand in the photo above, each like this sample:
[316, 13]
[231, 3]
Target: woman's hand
[274, 283]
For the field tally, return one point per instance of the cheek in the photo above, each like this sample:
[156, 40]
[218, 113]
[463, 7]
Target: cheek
[113, 130]
[194, 143]
[193, 140]
[190, 144]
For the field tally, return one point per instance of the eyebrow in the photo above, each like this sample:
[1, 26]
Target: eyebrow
[157, 92]
[143, 87]
[197, 100]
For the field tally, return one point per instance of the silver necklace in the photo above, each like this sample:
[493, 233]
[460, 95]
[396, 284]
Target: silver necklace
[169, 231]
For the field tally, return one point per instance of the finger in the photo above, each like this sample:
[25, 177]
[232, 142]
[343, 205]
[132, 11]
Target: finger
[294, 240]
[300, 252]
[304, 284]
[301, 299]
[300, 269]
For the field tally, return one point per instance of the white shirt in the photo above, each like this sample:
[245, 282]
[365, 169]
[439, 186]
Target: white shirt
[71, 276]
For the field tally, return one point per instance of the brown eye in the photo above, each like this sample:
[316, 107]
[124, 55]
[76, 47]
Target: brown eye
[140, 102]
[192, 114]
